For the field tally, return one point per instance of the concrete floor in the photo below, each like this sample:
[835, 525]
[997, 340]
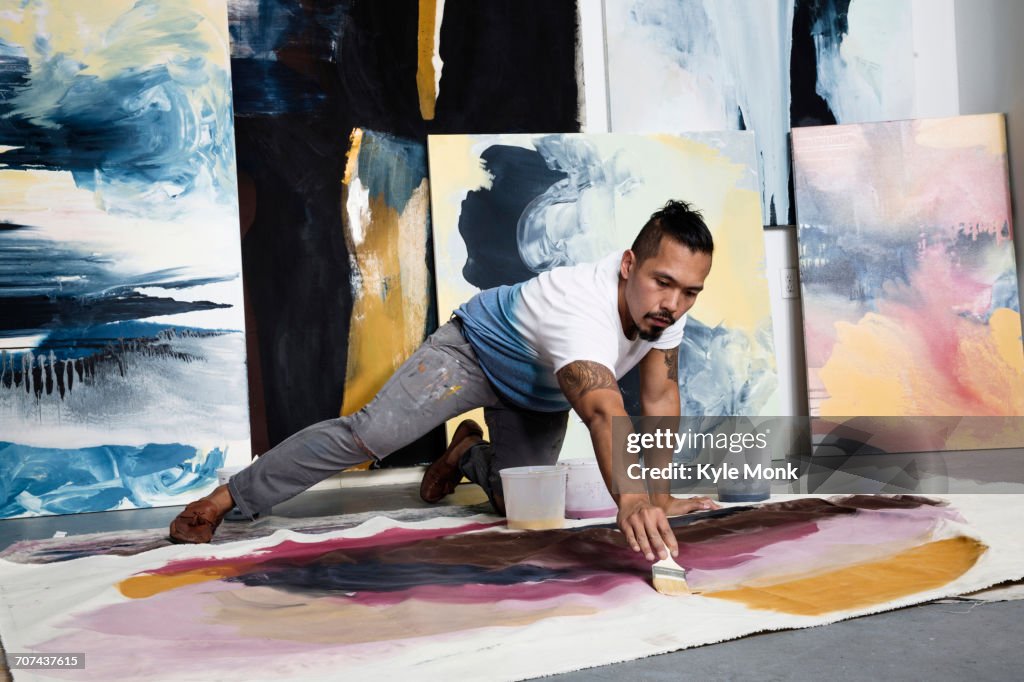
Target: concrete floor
[942, 641]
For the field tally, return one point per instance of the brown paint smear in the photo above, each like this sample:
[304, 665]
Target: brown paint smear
[270, 614]
[916, 570]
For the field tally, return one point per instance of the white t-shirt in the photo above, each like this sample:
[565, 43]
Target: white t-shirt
[524, 333]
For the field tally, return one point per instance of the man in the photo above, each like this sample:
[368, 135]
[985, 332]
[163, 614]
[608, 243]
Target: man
[525, 353]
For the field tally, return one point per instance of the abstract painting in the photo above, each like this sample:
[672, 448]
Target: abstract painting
[907, 267]
[450, 597]
[333, 103]
[122, 351]
[507, 207]
[387, 236]
[679, 65]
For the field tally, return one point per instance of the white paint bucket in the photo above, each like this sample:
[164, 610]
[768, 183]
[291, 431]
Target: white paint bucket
[225, 473]
[586, 496]
[534, 497]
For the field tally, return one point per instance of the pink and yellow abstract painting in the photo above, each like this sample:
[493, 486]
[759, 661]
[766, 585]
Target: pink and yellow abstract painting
[448, 597]
[910, 295]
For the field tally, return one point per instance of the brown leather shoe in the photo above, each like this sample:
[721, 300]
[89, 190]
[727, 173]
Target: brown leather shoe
[443, 475]
[196, 523]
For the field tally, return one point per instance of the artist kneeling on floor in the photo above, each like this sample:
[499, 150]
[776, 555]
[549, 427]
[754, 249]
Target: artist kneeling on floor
[525, 353]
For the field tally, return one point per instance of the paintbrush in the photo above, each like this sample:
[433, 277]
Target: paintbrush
[669, 578]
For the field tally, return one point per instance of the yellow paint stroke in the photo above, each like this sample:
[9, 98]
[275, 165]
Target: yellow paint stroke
[990, 363]
[866, 373]
[463, 172]
[456, 170]
[1006, 336]
[920, 569]
[150, 584]
[425, 83]
[880, 366]
[988, 130]
[389, 311]
[110, 38]
[728, 297]
[355, 144]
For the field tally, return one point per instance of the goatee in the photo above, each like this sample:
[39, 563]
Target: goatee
[652, 335]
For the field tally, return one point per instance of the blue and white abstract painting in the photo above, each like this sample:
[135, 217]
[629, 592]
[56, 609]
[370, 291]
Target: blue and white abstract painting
[122, 350]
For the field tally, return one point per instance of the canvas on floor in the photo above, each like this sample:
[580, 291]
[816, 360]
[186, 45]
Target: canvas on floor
[449, 597]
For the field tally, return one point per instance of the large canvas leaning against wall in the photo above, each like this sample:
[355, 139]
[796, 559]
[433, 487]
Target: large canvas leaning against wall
[333, 103]
[679, 65]
[507, 207]
[122, 351]
[907, 266]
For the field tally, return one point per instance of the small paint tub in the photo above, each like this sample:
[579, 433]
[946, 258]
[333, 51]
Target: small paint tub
[224, 474]
[749, 490]
[534, 497]
[586, 495]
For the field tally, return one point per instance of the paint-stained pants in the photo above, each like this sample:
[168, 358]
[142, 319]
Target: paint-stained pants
[441, 380]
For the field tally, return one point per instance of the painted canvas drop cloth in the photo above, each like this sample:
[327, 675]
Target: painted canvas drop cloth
[451, 597]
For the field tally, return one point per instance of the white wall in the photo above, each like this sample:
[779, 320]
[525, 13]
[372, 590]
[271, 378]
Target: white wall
[787, 321]
[989, 57]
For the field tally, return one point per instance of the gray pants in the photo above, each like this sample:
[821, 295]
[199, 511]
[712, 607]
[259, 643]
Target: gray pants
[441, 380]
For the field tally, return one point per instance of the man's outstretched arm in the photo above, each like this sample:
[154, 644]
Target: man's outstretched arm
[591, 389]
[659, 397]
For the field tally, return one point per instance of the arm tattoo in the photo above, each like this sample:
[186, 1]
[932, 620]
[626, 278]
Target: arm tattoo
[583, 376]
[672, 363]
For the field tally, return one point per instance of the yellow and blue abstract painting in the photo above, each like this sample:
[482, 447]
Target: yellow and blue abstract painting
[507, 207]
[122, 351]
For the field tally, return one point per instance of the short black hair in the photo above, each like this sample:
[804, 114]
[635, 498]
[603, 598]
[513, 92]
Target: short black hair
[680, 222]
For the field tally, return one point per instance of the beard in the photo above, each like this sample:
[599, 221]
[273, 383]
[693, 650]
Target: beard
[654, 333]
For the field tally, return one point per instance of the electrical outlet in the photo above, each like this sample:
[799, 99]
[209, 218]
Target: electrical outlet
[790, 283]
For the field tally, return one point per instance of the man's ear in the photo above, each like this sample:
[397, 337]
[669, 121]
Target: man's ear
[626, 266]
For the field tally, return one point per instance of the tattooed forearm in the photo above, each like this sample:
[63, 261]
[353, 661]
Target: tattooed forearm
[583, 376]
[672, 363]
